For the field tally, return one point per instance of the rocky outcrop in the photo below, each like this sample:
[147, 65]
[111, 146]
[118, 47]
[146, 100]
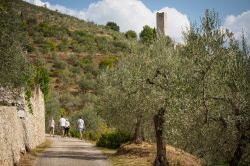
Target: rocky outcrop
[21, 129]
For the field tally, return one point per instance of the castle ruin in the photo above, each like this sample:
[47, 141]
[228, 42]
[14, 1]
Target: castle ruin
[161, 22]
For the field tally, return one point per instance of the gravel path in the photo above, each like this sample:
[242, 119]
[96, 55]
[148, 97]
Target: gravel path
[71, 152]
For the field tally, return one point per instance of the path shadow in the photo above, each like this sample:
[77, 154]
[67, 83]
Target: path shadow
[74, 155]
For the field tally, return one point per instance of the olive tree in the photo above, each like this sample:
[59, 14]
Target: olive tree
[215, 123]
[15, 70]
[199, 90]
[142, 89]
[125, 96]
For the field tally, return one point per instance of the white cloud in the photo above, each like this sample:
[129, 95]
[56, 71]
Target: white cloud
[239, 23]
[60, 8]
[129, 15]
[37, 2]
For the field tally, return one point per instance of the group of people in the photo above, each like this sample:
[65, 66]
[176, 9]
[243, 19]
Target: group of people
[64, 126]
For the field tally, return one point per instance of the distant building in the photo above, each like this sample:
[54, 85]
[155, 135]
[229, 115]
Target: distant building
[161, 22]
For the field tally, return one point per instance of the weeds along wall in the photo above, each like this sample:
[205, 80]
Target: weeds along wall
[21, 129]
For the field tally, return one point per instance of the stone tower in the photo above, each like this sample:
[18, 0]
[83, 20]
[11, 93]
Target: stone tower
[161, 22]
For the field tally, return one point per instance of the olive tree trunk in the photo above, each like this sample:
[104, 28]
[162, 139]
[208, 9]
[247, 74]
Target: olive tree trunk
[161, 159]
[137, 136]
[238, 153]
[242, 140]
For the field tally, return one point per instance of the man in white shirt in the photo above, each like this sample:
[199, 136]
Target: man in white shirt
[80, 126]
[51, 126]
[62, 125]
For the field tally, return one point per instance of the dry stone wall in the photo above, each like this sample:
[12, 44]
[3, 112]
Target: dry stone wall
[11, 135]
[20, 130]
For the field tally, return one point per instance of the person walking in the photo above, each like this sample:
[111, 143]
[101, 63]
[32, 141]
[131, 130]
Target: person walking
[62, 125]
[67, 126]
[51, 126]
[80, 126]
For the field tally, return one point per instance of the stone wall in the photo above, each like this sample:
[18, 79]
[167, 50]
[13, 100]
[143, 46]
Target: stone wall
[20, 130]
[11, 135]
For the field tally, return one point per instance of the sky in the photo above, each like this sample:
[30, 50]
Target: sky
[134, 14]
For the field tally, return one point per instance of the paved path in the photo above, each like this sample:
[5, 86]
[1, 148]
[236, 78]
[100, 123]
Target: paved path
[71, 152]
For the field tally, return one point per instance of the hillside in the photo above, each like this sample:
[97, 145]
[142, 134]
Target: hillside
[73, 50]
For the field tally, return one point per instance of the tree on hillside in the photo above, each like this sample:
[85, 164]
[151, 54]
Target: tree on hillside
[15, 70]
[113, 26]
[131, 34]
[147, 35]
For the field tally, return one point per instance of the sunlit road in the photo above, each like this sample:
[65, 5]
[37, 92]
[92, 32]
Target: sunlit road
[71, 152]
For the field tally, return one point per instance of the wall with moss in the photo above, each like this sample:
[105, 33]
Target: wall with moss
[21, 129]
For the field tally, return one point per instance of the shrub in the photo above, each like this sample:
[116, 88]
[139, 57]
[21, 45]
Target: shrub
[44, 29]
[73, 60]
[59, 32]
[85, 60]
[59, 64]
[131, 35]
[31, 21]
[69, 101]
[74, 133]
[87, 85]
[52, 31]
[91, 48]
[90, 68]
[102, 44]
[88, 98]
[84, 37]
[48, 45]
[113, 139]
[65, 76]
[40, 78]
[38, 38]
[91, 135]
[120, 46]
[62, 111]
[63, 46]
[76, 47]
[43, 80]
[29, 47]
[76, 70]
[107, 62]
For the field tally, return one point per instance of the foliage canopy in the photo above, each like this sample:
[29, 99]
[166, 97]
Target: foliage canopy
[113, 26]
[147, 35]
